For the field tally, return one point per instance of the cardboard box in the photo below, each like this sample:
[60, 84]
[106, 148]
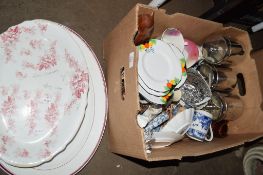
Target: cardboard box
[258, 56]
[125, 137]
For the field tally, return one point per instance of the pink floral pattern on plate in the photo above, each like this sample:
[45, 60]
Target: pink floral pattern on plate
[44, 95]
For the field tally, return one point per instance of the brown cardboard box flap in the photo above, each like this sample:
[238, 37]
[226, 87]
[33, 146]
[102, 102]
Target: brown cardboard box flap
[117, 47]
[258, 56]
[188, 148]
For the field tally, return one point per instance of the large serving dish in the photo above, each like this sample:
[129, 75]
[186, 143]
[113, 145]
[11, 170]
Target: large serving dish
[78, 153]
[43, 86]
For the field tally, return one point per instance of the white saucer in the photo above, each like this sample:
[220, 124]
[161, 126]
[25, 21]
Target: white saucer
[159, 64]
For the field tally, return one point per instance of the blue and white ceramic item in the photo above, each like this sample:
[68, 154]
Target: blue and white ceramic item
[200, 126]
[175, 109]
[157, 121]
[155, 125]
[148, 134]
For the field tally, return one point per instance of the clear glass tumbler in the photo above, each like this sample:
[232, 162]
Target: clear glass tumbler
[218, 78]
[216, 49]
[224, 108]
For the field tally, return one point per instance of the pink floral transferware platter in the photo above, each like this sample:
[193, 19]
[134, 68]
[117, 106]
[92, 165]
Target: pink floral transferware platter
[44, 85]
[78, 153]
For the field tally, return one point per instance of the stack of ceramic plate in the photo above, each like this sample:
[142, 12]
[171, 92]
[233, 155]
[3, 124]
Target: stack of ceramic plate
[53, 105]
[161, 69]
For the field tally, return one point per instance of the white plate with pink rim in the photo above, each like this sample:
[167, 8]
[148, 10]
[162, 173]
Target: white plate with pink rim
[158, 65]
[78, 153]
[44, 95]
